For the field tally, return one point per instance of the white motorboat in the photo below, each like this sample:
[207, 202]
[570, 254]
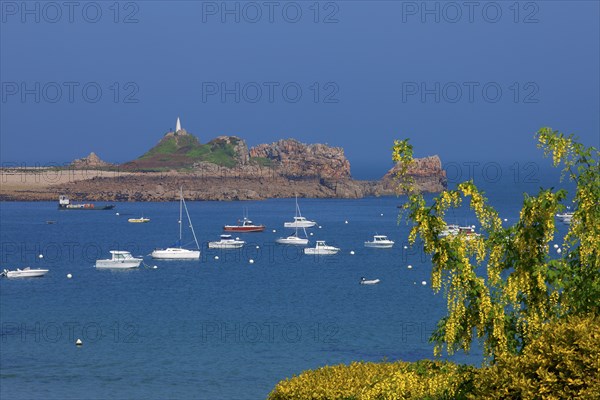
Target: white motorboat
[321, 248]
[468, 231]
[226, 242]
[450, 230]
[175, 253]
[380, 241]
[293, 239]
[565, 217]
[299, 220]
[120, 260]
[178, 252]
[365, 281]
[24, 273]
[454, 230]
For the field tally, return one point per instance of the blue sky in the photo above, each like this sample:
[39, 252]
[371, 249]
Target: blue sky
[465, 82]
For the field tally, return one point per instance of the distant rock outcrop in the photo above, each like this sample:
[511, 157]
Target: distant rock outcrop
[90, 162]
[294, 159]
[427, 173]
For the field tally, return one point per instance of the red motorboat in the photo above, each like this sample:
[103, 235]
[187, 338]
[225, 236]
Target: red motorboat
[244, 226]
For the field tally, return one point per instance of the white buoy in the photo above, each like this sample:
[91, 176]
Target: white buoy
[311, 234]
[409, 267]
[78, 342]
[352, 252]
[69, 276]
[41, 256]
[414, 283]
[155, 267]
[556, 246]
[216, 257]
[505, 219]
[558, 251]
[117, 213]
[423, 283]
[258, 247]
[382, 214]
[405, 247]
[320, 226]
[251, 261]
[346, 222]
[274, 230]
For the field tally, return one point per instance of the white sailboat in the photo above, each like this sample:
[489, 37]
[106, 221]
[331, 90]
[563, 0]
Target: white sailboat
[177, 252]
[299, 220]
[294, 239]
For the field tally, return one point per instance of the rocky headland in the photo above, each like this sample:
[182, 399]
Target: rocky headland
[221, 169]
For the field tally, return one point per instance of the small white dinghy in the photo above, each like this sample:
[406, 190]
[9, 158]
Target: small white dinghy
[365, 281]
[24, 273]
[141, 220]
[119, 260]
[321, 248]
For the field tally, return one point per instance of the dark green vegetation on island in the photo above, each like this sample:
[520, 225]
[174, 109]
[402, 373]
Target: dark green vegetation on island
[536, 313]
[178, 150]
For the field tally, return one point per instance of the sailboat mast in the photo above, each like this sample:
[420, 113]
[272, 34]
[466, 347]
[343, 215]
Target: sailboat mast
[190, 222]
[180, 215]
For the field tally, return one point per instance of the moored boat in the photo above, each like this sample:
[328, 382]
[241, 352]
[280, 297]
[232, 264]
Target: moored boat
[140, 220]
[380, 241]
[365, 281]
[321, 248]
[292, 239]
[565, 217]
[454, 230]
[24, 273]
[120, 260]
[299, 220]
[177, 252]
[244, 225]
[226, 242]
[65, 204]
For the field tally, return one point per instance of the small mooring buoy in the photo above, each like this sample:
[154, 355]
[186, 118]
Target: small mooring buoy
[78, 343]
[251, 261]
[69, 276]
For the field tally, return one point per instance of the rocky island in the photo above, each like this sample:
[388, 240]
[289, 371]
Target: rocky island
[222, 169]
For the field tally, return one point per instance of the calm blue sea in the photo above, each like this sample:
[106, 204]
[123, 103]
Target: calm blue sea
[213, 329]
